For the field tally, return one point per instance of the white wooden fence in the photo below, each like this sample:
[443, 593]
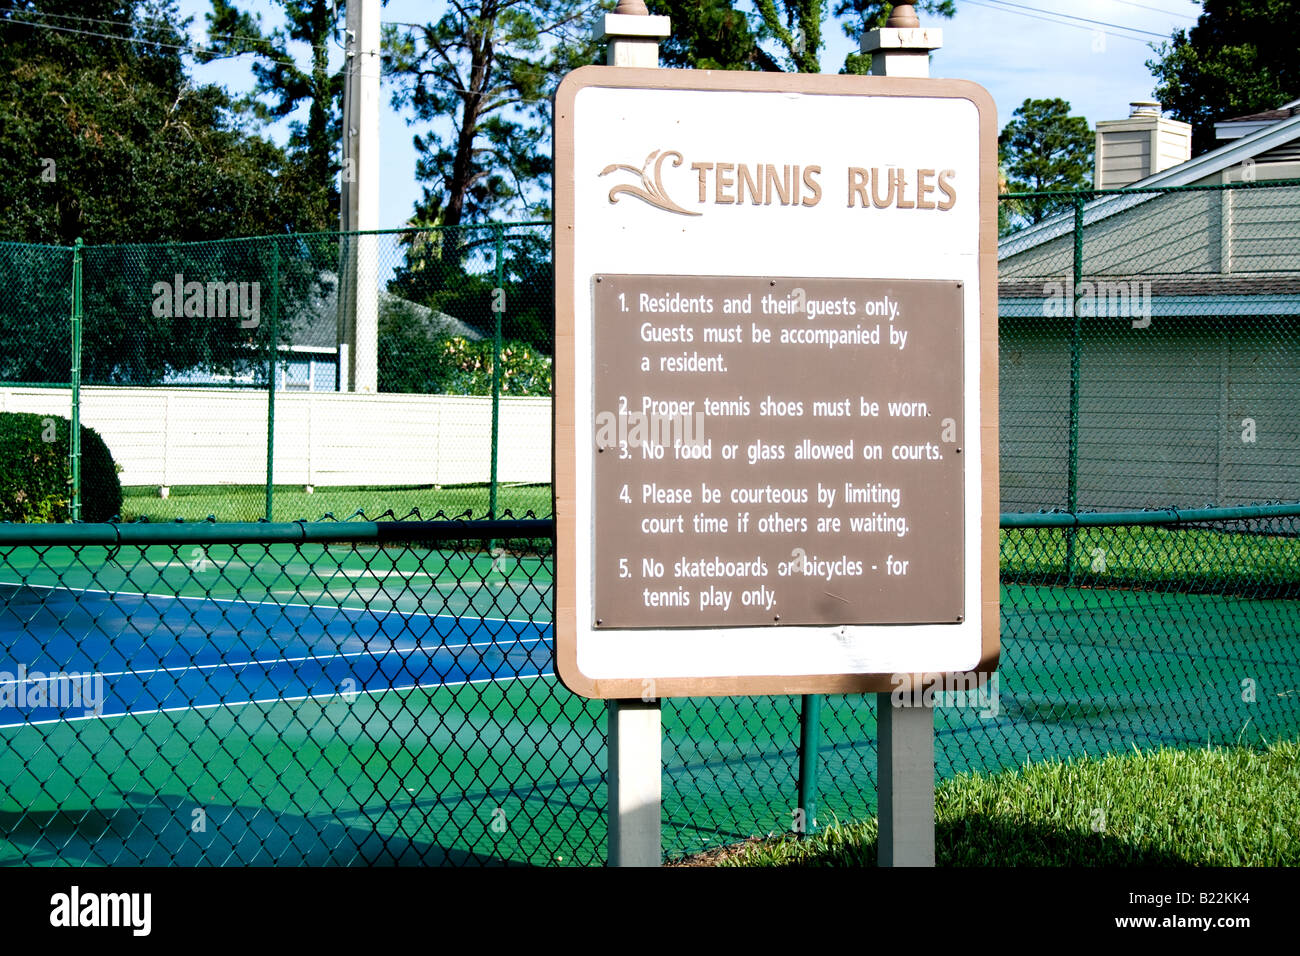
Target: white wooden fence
[208, 436]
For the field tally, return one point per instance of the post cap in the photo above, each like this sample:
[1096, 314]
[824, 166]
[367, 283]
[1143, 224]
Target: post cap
[632, 26]
[903, 16]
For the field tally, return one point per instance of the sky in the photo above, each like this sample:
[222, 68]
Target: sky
[1091, 53]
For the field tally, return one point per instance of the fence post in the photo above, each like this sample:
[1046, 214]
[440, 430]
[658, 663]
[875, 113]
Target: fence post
[1072, 466]
[74, 438]
[810, 732]
[270, 395]
[498, 306]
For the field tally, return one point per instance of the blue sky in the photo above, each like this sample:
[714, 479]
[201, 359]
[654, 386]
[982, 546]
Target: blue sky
[1089, 52]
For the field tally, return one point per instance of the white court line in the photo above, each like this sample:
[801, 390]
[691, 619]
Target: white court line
[216, 600]
[275, 700]
[411, 652]
[211, 565]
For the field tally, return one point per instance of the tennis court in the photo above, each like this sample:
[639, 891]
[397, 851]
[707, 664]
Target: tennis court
[351, 703]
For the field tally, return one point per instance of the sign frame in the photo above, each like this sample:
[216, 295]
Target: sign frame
[564, 459]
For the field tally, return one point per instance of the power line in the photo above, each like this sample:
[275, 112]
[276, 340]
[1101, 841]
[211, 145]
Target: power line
[1168, 13]
[1048, 16]
[127, 39]
[127, 24]
[1070, 16]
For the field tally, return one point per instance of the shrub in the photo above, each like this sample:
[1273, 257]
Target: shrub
[35, 481]
[524, 370]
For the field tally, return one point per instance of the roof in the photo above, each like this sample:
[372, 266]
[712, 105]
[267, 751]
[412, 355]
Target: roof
[1239, 126]
[315, 325]
[1178, 297]
[1194, 170]
[1278, 114]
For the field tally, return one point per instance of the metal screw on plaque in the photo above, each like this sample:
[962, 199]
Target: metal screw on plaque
[959, 451]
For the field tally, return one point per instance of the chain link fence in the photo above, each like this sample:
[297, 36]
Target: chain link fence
[296, 376]
[365, 690]
[383, 692]
[1149, 347]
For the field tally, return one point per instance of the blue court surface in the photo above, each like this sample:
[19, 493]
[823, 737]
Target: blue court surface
[92, 653]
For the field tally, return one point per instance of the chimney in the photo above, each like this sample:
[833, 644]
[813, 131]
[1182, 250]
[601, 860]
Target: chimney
[1142, 145]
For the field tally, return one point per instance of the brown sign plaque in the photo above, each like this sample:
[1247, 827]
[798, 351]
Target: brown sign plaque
[779, 451]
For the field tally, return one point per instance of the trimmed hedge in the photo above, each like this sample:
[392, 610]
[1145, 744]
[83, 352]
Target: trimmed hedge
[34, 473]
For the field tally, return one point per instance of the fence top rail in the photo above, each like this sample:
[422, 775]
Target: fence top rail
[1164, 516]
[261, 532]
[1087, 194]
[490, 227]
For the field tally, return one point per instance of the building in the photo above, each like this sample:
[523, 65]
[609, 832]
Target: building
[1188, 325]
[309, 361]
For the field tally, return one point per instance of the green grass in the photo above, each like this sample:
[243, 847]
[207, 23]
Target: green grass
[292, 503]
[1216, 806]
[1187, 559]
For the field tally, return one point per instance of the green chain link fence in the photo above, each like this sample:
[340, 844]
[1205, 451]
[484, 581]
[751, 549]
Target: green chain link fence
[380, 691]
[220, 373]
[1150, 348]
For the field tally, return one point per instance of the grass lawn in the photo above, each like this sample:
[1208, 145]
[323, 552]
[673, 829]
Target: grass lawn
[1217, 806]
[292, 503]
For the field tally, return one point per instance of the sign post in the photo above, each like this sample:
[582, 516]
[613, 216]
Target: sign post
[776, 406]
[634, 727]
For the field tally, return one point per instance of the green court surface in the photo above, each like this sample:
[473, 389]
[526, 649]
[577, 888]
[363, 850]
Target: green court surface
[511, 771]
[337, 575]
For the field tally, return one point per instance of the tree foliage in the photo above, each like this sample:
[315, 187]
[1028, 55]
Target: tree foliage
[107, 138]
[1044, 148]
[490, 66]
[1239, 58]
[282, 87]
[779, 36]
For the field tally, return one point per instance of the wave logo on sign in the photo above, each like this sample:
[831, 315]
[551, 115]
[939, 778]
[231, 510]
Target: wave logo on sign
[652, 188]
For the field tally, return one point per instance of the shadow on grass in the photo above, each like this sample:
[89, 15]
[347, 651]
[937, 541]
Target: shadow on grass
[977, 840]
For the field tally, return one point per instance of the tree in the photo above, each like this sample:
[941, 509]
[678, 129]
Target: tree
[715, 35]
[1239, 58]
[490, 66]
[107, 138]
[313, 145]
[710, 35]
[1045, 148]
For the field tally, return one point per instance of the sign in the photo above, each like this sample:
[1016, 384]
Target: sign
[776, 415]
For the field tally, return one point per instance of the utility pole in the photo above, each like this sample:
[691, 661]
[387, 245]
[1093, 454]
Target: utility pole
[358, 326]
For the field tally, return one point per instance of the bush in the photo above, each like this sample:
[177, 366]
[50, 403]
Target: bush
[524, 370]
[35, 482]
